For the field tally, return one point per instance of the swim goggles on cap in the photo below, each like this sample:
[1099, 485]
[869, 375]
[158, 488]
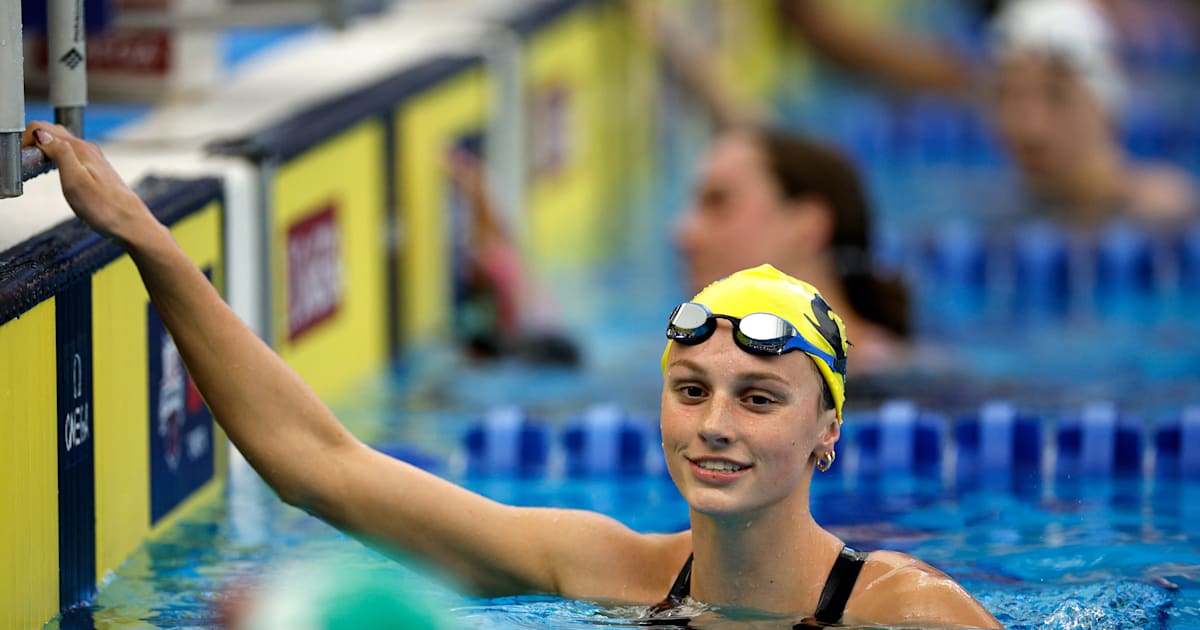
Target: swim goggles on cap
[762, 334]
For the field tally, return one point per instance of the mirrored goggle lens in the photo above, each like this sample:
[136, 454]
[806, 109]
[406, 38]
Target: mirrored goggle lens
[766, 327]
[689, 323]
[765, 333]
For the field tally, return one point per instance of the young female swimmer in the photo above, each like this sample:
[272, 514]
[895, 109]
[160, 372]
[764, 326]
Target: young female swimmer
[745, 421]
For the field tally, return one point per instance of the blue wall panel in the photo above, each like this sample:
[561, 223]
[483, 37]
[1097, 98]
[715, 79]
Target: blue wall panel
[76, 446]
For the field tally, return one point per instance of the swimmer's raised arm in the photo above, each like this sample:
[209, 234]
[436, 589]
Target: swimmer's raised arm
[294, 441]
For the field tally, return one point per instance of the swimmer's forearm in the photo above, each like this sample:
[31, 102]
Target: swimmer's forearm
[267, 410]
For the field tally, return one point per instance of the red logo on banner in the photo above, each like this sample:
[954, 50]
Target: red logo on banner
[140, 52]
[314, 271]
[130, 52]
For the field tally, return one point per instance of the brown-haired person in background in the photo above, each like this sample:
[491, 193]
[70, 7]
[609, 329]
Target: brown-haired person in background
[769, 196]
[766, 196]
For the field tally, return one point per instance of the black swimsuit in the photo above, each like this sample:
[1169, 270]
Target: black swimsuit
[834, 596]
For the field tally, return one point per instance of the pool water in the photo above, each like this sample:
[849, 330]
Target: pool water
[1062, 553]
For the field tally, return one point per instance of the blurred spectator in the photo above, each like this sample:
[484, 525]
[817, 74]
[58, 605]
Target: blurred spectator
[1059, 97]
[500, 313]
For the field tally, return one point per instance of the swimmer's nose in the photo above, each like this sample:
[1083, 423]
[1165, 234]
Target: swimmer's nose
[717, 424]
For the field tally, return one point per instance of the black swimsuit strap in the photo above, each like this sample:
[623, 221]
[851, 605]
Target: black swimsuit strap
[680, 590]
[834, 596]
[841, 581]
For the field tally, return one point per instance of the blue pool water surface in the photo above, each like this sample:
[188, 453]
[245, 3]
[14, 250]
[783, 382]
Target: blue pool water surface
[1056, 553]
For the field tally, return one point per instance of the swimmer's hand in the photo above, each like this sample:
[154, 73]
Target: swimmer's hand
[91, 186]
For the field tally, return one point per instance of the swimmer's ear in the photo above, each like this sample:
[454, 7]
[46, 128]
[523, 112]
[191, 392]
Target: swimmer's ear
[810, 221]
[832, 432]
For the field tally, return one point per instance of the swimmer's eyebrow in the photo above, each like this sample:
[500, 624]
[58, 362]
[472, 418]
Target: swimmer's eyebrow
[690, 365]
[753, 377]
[742, 377]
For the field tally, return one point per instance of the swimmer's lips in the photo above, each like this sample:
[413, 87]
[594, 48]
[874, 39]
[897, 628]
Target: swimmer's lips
[717, 476]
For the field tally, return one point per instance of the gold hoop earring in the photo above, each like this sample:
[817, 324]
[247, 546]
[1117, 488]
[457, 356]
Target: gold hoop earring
[826, 461]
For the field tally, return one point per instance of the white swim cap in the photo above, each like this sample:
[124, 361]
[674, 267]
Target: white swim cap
[1075, 32]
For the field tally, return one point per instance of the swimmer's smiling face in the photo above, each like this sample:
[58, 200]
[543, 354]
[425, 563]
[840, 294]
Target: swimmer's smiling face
[740, 432]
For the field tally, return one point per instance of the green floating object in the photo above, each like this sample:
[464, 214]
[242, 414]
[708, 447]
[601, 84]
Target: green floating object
[369, 603]
[318, 597]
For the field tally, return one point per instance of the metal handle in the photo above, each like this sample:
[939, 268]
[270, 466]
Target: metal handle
[12, 98]
[33, 163]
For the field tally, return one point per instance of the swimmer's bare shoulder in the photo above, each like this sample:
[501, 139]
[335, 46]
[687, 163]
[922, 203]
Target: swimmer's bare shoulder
[1162, 193]
[605, 560]
[895, 588]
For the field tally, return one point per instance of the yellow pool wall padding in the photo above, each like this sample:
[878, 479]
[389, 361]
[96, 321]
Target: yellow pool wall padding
[348, 171]
[427, 126]
[29, 469]
[566, 207]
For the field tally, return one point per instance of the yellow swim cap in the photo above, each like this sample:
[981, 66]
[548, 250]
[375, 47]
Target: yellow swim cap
[765, 289]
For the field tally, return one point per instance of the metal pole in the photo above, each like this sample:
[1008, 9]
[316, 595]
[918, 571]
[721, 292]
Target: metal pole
[65, 39]
[337, 14]
[12, 99]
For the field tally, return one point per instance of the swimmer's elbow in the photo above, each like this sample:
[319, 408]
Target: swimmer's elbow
[298, 498]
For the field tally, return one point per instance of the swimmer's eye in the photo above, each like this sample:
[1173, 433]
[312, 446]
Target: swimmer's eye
[759, 400]
[714, 199]
[692, 392]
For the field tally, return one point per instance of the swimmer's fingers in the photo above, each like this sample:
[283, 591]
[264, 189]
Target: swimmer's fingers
[42, 135]
[90, 185]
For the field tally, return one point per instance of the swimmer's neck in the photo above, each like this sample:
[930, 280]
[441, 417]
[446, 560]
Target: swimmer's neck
[776, 559]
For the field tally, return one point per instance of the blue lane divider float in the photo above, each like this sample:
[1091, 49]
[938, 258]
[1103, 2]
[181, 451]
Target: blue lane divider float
[507, 442]
[1177, 445]
[998, 440]
[1126, 277]
[958, 263]
[1187, 252]
[1042, 271]
[899, 438]
[1098, 441]
[606, 441]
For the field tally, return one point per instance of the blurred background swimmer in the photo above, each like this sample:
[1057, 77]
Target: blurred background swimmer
[1059, 97]
[765, 195]
[772, 197]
